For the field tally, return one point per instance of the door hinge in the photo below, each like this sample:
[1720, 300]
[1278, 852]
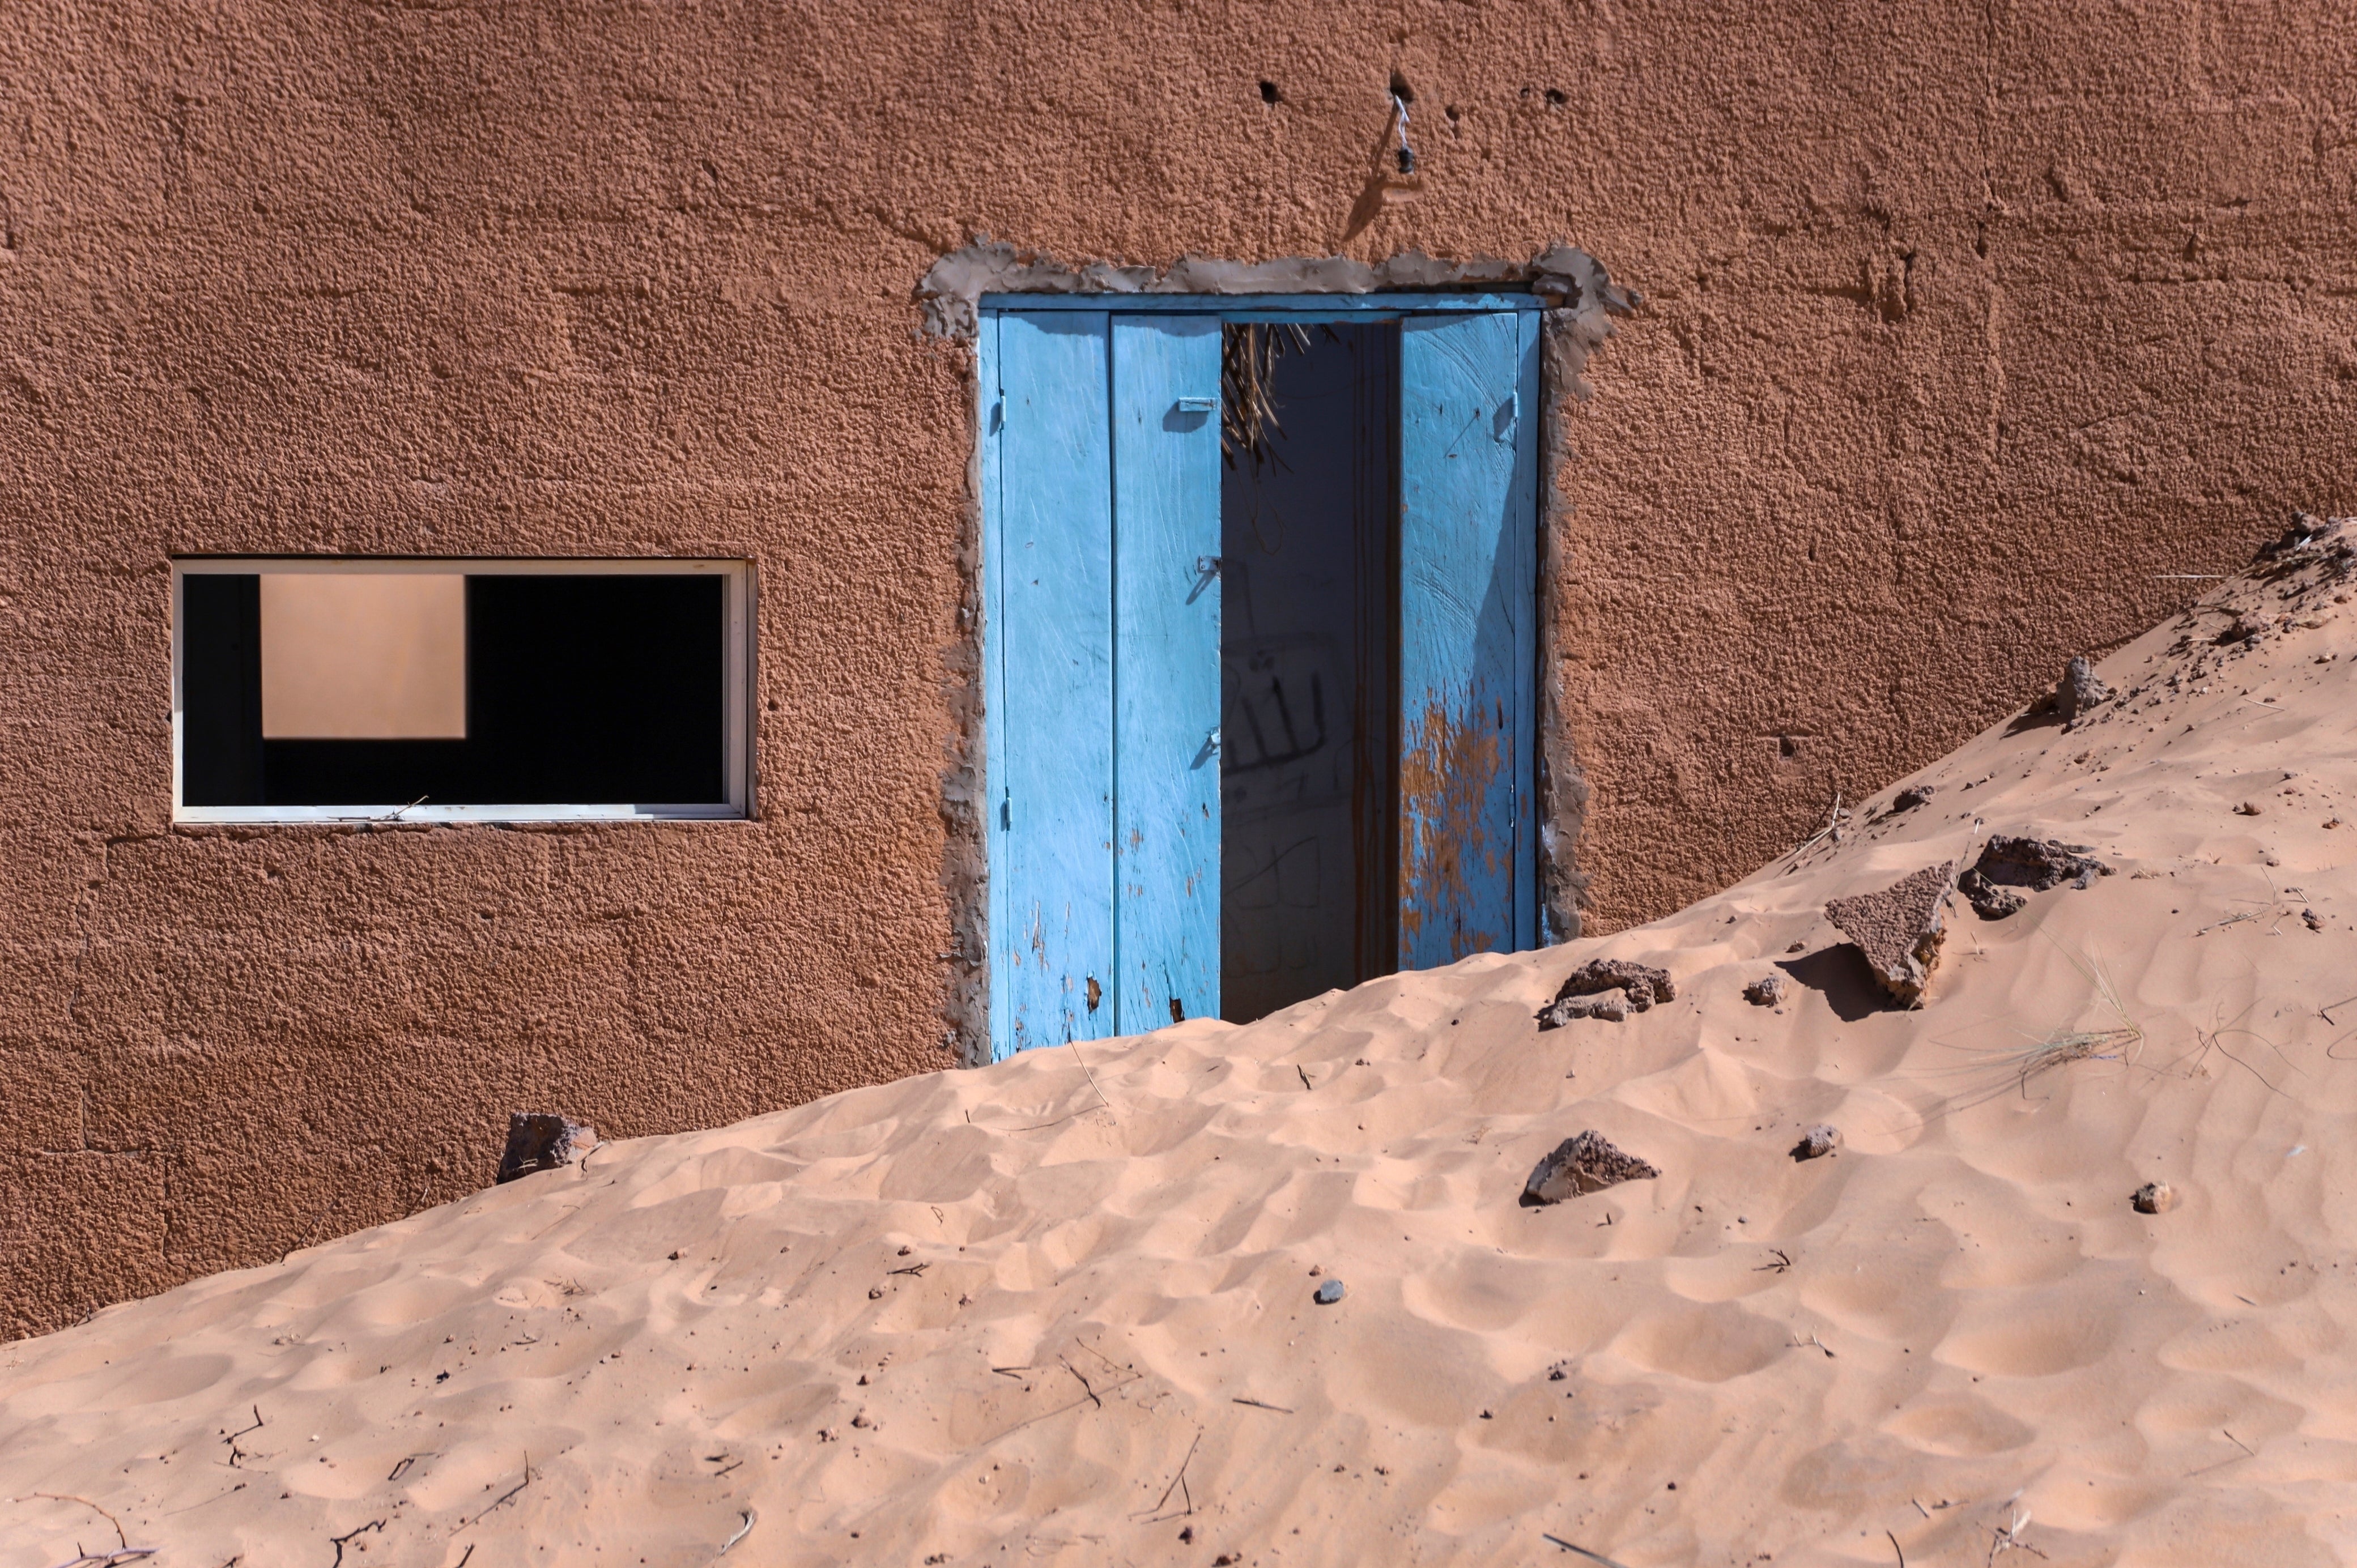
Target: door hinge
[1510, 414]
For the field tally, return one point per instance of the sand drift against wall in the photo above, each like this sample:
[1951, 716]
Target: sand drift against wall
[1269, 1294]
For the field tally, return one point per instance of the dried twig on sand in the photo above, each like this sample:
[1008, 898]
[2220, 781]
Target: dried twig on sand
[122, 1541]
[1177, 1484]
[2121, 1043]
[2007, 1538]
[338, 1542]
[504, 1496]
[1571, 1546]
[1089, 1075]
[743, 1530]
[236, 1454]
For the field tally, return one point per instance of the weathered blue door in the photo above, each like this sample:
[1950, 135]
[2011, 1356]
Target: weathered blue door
[1100, 469]
[1469, 649]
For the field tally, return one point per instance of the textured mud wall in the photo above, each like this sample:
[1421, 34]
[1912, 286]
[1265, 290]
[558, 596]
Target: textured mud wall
[1963, 323]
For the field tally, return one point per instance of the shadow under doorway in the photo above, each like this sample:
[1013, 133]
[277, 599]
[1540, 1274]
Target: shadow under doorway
[1310, 663]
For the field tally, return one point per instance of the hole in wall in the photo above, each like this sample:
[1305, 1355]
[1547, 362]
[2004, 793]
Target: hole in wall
[1269, 94]
[1556, 97]
[1401, 89]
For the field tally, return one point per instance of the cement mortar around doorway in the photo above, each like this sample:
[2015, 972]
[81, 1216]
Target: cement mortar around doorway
[1579, 302]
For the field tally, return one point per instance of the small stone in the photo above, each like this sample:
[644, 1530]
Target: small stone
[1765, 991]
[876, 1292]
[2154, 1198]
[1187, 1535]
[1914, 795]
[1327, 1293]
[1817, 1142]
[1899, 929]
[2037, 864]
[1583, 1164]
[2248, 809]
[2079, 690]
[1557, 1375]
[1989, 901]
[539, 1140]
[1611, 1006]
[2312, 920]
[1609, 988]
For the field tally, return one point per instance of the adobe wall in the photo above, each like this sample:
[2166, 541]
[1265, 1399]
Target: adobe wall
[1964, 324]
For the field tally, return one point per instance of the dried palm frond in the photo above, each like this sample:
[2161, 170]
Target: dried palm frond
[1248, 356]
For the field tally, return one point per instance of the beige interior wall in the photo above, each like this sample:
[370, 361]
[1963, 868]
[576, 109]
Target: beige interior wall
[1965, 325]
[363, 655]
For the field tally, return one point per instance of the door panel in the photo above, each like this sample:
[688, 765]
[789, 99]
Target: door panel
[1469, 393]
[1166, 547]
[1048, 465]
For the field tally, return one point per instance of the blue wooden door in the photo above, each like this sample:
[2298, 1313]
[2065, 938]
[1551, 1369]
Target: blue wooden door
[1047, 470]
[1166, 512]
[1469, 570]
[1101, 477]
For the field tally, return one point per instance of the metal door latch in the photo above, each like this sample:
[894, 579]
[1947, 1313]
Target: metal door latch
[1199, 405]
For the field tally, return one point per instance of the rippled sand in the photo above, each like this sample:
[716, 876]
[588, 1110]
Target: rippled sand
[1060, 1310]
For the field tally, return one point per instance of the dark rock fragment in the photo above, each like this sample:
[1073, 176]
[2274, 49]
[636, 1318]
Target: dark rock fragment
[1765, 991]
[1817, 1142]
[2152, 1197]
[1328, 1293]
[1914, 795]
[1899, 929]
[2079, 690]
[1585, 1164]
[2037, 864]
[541, 1142]
[1989, 901]
[1588, 992]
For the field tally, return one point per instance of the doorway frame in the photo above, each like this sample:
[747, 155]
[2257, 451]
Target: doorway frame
[1241, 309]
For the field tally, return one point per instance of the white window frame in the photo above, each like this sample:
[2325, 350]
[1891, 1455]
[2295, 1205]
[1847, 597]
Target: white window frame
[738, 702]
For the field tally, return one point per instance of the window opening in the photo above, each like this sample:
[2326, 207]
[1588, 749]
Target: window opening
[315, 688]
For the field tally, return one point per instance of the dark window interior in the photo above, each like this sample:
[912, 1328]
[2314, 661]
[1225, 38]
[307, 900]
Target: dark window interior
[582, 689]
[1309, 612]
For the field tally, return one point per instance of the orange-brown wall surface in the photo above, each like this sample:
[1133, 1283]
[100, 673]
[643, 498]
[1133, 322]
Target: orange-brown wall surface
[1963, 324]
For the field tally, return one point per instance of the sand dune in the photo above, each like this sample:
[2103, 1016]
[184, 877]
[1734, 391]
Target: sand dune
[1061, 1310]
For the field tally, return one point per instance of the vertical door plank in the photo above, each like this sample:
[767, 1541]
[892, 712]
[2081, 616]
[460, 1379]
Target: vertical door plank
[1521, 530]
[1050, 682]
[1166, 466]
[1468, 580]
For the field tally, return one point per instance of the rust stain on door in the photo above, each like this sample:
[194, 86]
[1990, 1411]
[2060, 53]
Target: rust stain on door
[1446, 772]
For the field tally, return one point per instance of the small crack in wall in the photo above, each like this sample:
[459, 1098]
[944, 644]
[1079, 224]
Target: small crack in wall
[1580, 301]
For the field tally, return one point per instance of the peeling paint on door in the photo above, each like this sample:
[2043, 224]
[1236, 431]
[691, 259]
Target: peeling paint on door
[1450, 860]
